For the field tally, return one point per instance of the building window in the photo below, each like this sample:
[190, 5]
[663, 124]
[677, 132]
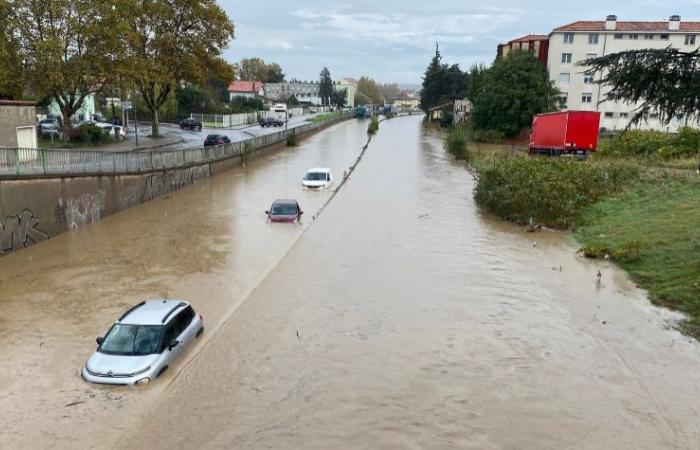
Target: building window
[624, 115]
[566, 58]
[586, 98]
[633, 36]
[689, 39]
[663, 37]
[564, 77]
[649, 37]
[619, 35]
[592, 38]
[588, 79]
[590, 56]
[609, 115]
[568, 38]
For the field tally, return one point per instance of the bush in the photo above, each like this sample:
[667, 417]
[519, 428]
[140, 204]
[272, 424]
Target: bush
[292, 140]
[551, 192]
[373, 126]
[652, 144]
[456, 142]
[488, 136]
[89, 134]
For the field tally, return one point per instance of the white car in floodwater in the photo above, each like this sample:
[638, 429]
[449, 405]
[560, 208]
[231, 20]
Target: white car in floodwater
[318, 178]
[143, 343]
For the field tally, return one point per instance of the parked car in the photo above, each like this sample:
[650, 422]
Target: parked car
[317, 178]
[191, 124]
[49, 128]
[107, 128]
[143, 343]
[312, 111]
[216, 139]
[284, 210]
[271, 122]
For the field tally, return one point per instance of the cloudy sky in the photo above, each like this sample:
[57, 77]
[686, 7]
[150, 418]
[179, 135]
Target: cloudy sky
[393, 40]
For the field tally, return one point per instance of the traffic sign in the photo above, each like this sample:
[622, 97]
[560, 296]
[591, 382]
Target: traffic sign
[127, 105]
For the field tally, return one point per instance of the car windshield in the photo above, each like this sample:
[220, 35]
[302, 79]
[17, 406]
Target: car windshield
[284, 209]
[315, 176]
[132, 340]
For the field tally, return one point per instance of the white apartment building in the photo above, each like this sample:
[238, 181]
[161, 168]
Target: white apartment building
[582, 40]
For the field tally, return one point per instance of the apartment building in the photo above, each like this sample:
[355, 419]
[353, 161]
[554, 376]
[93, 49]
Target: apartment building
[583, 40]
[304, 91]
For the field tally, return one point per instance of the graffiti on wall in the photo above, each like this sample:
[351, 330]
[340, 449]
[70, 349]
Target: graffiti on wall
[82, 210]
[160, 184]
[20, 231]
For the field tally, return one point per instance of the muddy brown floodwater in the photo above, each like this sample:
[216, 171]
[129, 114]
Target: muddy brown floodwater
[403, 317]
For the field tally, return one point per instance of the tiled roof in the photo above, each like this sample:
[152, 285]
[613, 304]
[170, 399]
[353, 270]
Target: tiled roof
[531, 37]
[245, 86]
[599, 25]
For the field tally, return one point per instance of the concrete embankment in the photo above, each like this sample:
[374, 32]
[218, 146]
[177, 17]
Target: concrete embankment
[36, 208]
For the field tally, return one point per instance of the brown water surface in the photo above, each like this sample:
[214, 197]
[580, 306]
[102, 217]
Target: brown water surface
[402, 318]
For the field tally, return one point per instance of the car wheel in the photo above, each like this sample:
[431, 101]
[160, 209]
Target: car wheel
[199, 333]
[161, 371]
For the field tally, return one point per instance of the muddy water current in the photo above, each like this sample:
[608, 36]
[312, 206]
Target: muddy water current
[401, 317]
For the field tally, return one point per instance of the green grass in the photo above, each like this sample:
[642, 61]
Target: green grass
[662, 217]
[324, 117]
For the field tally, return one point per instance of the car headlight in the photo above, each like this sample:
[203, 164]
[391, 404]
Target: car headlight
[145, 380]
[133, 374]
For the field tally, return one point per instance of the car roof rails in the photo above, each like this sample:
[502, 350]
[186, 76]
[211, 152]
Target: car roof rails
[179, 305]
[130, 310]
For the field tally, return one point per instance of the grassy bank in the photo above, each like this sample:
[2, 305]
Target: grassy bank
[636, 206]
[324, 117]
[653, 232]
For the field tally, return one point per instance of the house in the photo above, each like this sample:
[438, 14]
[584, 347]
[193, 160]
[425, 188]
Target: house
[85, 112]
[462, 111]
[537, 44]
[18, 124]
[350, 85]
[579, 41]
[247, 89]
[304, 91]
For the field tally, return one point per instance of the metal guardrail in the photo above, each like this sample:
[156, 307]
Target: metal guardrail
[27, 162]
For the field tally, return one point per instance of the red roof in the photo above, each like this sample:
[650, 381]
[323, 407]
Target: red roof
[251, 87]
[531, 37]
[599, 25]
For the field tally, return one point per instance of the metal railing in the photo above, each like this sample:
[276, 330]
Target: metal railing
[28, 162]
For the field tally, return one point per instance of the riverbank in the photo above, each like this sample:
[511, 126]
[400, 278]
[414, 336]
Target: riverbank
[641, 215]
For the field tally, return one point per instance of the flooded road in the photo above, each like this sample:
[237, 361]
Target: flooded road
[401, 318]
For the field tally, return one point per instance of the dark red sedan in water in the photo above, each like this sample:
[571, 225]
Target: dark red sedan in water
[284, 210]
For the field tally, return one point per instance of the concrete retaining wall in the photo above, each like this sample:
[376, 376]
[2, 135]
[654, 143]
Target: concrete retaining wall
[34, 210]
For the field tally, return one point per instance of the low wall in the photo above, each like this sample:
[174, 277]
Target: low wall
[35, 209]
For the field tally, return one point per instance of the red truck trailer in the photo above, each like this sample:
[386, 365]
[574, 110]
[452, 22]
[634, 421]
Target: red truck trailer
[564, 133]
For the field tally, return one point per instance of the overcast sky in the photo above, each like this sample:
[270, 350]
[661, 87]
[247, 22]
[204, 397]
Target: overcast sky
[393, 40]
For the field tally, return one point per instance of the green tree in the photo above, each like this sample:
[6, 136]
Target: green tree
[665, 81]
[193, 99]
[390, 90]
[12, 78]
[442, 83]
[339, 98]
[508, 94]
[241, 104]
[325, 88]
[256, 69]
[274, 73]
[66, 47]
[169, 41]
[292, 100]
[370, 90]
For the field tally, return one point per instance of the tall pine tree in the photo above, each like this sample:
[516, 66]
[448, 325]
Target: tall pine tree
[325, 89]
[442, 83]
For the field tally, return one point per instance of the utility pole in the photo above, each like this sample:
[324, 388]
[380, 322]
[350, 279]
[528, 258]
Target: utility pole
[136, 126]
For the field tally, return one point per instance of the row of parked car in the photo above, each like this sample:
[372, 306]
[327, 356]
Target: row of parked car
[52, 125]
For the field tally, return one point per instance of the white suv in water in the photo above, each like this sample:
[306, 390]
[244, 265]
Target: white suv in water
[143, 343]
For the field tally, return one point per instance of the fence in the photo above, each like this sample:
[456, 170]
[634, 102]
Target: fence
[233, 120]
[53, 162]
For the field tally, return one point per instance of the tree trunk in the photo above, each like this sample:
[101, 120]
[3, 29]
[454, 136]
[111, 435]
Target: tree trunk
[155, 125]
[67, 123]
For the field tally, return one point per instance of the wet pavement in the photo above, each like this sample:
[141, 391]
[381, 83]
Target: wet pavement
[402, 317]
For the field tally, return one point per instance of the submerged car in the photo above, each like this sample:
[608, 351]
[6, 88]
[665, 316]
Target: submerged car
[190, 124]
[317, 178]
[143, 343]
[216, 139]
[284, 210]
